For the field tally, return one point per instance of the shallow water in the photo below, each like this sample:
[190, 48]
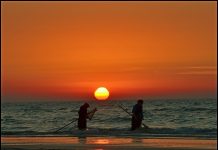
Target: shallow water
[189, 118]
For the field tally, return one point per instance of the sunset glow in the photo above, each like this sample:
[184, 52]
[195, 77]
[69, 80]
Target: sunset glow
[137, 49]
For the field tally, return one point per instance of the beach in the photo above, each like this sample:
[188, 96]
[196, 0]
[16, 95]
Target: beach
[181, 124]
[188, 124]
[105, 143]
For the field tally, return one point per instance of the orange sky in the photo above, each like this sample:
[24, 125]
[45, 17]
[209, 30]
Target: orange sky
[135, 49]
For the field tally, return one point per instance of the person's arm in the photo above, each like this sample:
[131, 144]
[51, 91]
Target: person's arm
[87, 115]
[91, 113]
[133, 110]
[142, 116]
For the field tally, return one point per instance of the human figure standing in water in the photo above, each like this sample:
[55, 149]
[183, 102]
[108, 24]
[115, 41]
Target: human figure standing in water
[137, 115]
[83, 115]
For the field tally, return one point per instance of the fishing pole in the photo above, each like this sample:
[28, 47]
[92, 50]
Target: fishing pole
[67, 125]
[126, 110]
[91, 114]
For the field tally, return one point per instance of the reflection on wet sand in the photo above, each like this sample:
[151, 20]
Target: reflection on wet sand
[100, 143]
[35, 140]
[66, 140]
[180, 142]
[102, 140]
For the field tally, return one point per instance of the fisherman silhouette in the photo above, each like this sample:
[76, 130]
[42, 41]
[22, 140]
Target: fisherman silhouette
[83, 115]
[137, 116]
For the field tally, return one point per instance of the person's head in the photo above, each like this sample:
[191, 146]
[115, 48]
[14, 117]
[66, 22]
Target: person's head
[140, 101]
[86, 105]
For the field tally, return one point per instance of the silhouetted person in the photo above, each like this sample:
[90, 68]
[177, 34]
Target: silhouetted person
[83, 115]
[137, 116]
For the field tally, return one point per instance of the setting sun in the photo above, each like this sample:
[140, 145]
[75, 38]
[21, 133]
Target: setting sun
[101, 93]
[109, 75]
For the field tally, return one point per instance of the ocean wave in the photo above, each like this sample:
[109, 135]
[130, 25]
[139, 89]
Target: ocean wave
[166, 118]
[184, 109]
[199, 109]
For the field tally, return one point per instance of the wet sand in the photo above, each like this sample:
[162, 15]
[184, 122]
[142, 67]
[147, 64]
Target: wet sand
[106, 143]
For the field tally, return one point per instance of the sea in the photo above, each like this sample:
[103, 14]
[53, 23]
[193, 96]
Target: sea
[165, 118]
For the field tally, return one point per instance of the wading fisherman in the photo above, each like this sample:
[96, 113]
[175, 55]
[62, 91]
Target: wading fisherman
[83, 115]
[137, 115]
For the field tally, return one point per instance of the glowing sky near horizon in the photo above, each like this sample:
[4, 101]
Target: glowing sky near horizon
[132, 48]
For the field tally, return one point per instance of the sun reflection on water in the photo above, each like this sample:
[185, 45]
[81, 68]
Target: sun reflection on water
[102, 141]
